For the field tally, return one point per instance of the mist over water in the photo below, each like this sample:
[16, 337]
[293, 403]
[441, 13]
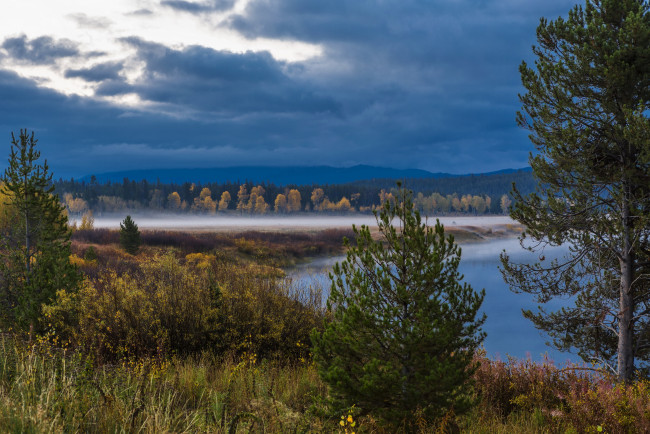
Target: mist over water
[508, 332]
[229, 222]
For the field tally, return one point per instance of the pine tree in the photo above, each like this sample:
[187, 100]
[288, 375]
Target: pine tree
[404, 328]
[129, 236]
[586, 106]
[36, 245]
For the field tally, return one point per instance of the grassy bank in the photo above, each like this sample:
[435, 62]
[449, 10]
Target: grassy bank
[47, 389]
[278, 249]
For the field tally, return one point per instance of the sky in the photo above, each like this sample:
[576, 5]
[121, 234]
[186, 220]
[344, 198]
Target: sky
[128, 84]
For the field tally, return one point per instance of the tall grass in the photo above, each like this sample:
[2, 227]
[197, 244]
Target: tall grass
[572, 398]
[47, 390]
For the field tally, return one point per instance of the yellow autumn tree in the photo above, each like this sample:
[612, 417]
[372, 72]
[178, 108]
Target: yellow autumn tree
[111, 203]
[327, 205]
[242, 198]
[466, 202]
[505, 203]
[294, 200]
[317, 198]
[260, 205]
[343, 205]
[74, 205]
[478, 203]
[87, 221]
[174, 201]
[204, 202]
[225, 201]
[256, 192]
[281, 205]
[455, 204]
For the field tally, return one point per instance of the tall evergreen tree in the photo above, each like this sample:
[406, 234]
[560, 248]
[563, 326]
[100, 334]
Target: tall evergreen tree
[35, 248]
[130, 236]
[586, 105]
[404, 328]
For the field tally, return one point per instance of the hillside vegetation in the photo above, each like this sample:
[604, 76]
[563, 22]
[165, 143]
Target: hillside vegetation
[469, 194]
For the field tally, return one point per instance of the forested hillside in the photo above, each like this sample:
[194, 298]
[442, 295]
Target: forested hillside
[281, 175]
[474, 194]
[492, 184]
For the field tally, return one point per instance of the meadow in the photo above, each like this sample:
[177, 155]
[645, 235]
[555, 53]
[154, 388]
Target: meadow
[202, 332]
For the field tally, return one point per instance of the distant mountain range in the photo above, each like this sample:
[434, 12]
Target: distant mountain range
[294, 175]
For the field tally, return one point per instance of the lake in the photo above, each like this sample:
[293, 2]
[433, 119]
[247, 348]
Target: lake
[508, 332]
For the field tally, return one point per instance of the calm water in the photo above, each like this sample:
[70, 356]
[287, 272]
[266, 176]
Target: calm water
[508, 332]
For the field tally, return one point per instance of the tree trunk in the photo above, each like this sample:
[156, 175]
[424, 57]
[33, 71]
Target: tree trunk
[625, 331]
[625, 350]
[28, 262]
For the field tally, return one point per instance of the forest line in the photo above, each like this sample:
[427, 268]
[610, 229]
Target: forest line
[80, 197]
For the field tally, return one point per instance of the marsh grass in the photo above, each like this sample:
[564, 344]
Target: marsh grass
[49, 389]
[270, 248]
[46, 390]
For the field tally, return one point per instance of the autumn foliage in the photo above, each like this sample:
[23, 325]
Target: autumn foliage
[569, 399]
[167, 305]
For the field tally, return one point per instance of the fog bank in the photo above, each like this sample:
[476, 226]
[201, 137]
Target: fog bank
[219, 222]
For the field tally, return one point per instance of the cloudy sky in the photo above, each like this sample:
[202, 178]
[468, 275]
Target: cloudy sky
[124, 84]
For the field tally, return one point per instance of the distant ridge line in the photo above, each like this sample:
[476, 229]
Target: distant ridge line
[288, 175]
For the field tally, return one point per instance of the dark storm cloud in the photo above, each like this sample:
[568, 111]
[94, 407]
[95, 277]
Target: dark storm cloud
[417, 75]
[468, 37]
[42, 50]
[194, 7]
[99, 72]
[79, 136]
[422, 84]
[203, 79]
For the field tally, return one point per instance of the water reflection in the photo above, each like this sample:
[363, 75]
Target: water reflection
[508, 332]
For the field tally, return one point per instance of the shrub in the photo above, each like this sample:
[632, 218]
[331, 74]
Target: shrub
[96, 236]
[570, 399]
[261, 313]
[90, 254]
[616, 408]
[164, 306]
